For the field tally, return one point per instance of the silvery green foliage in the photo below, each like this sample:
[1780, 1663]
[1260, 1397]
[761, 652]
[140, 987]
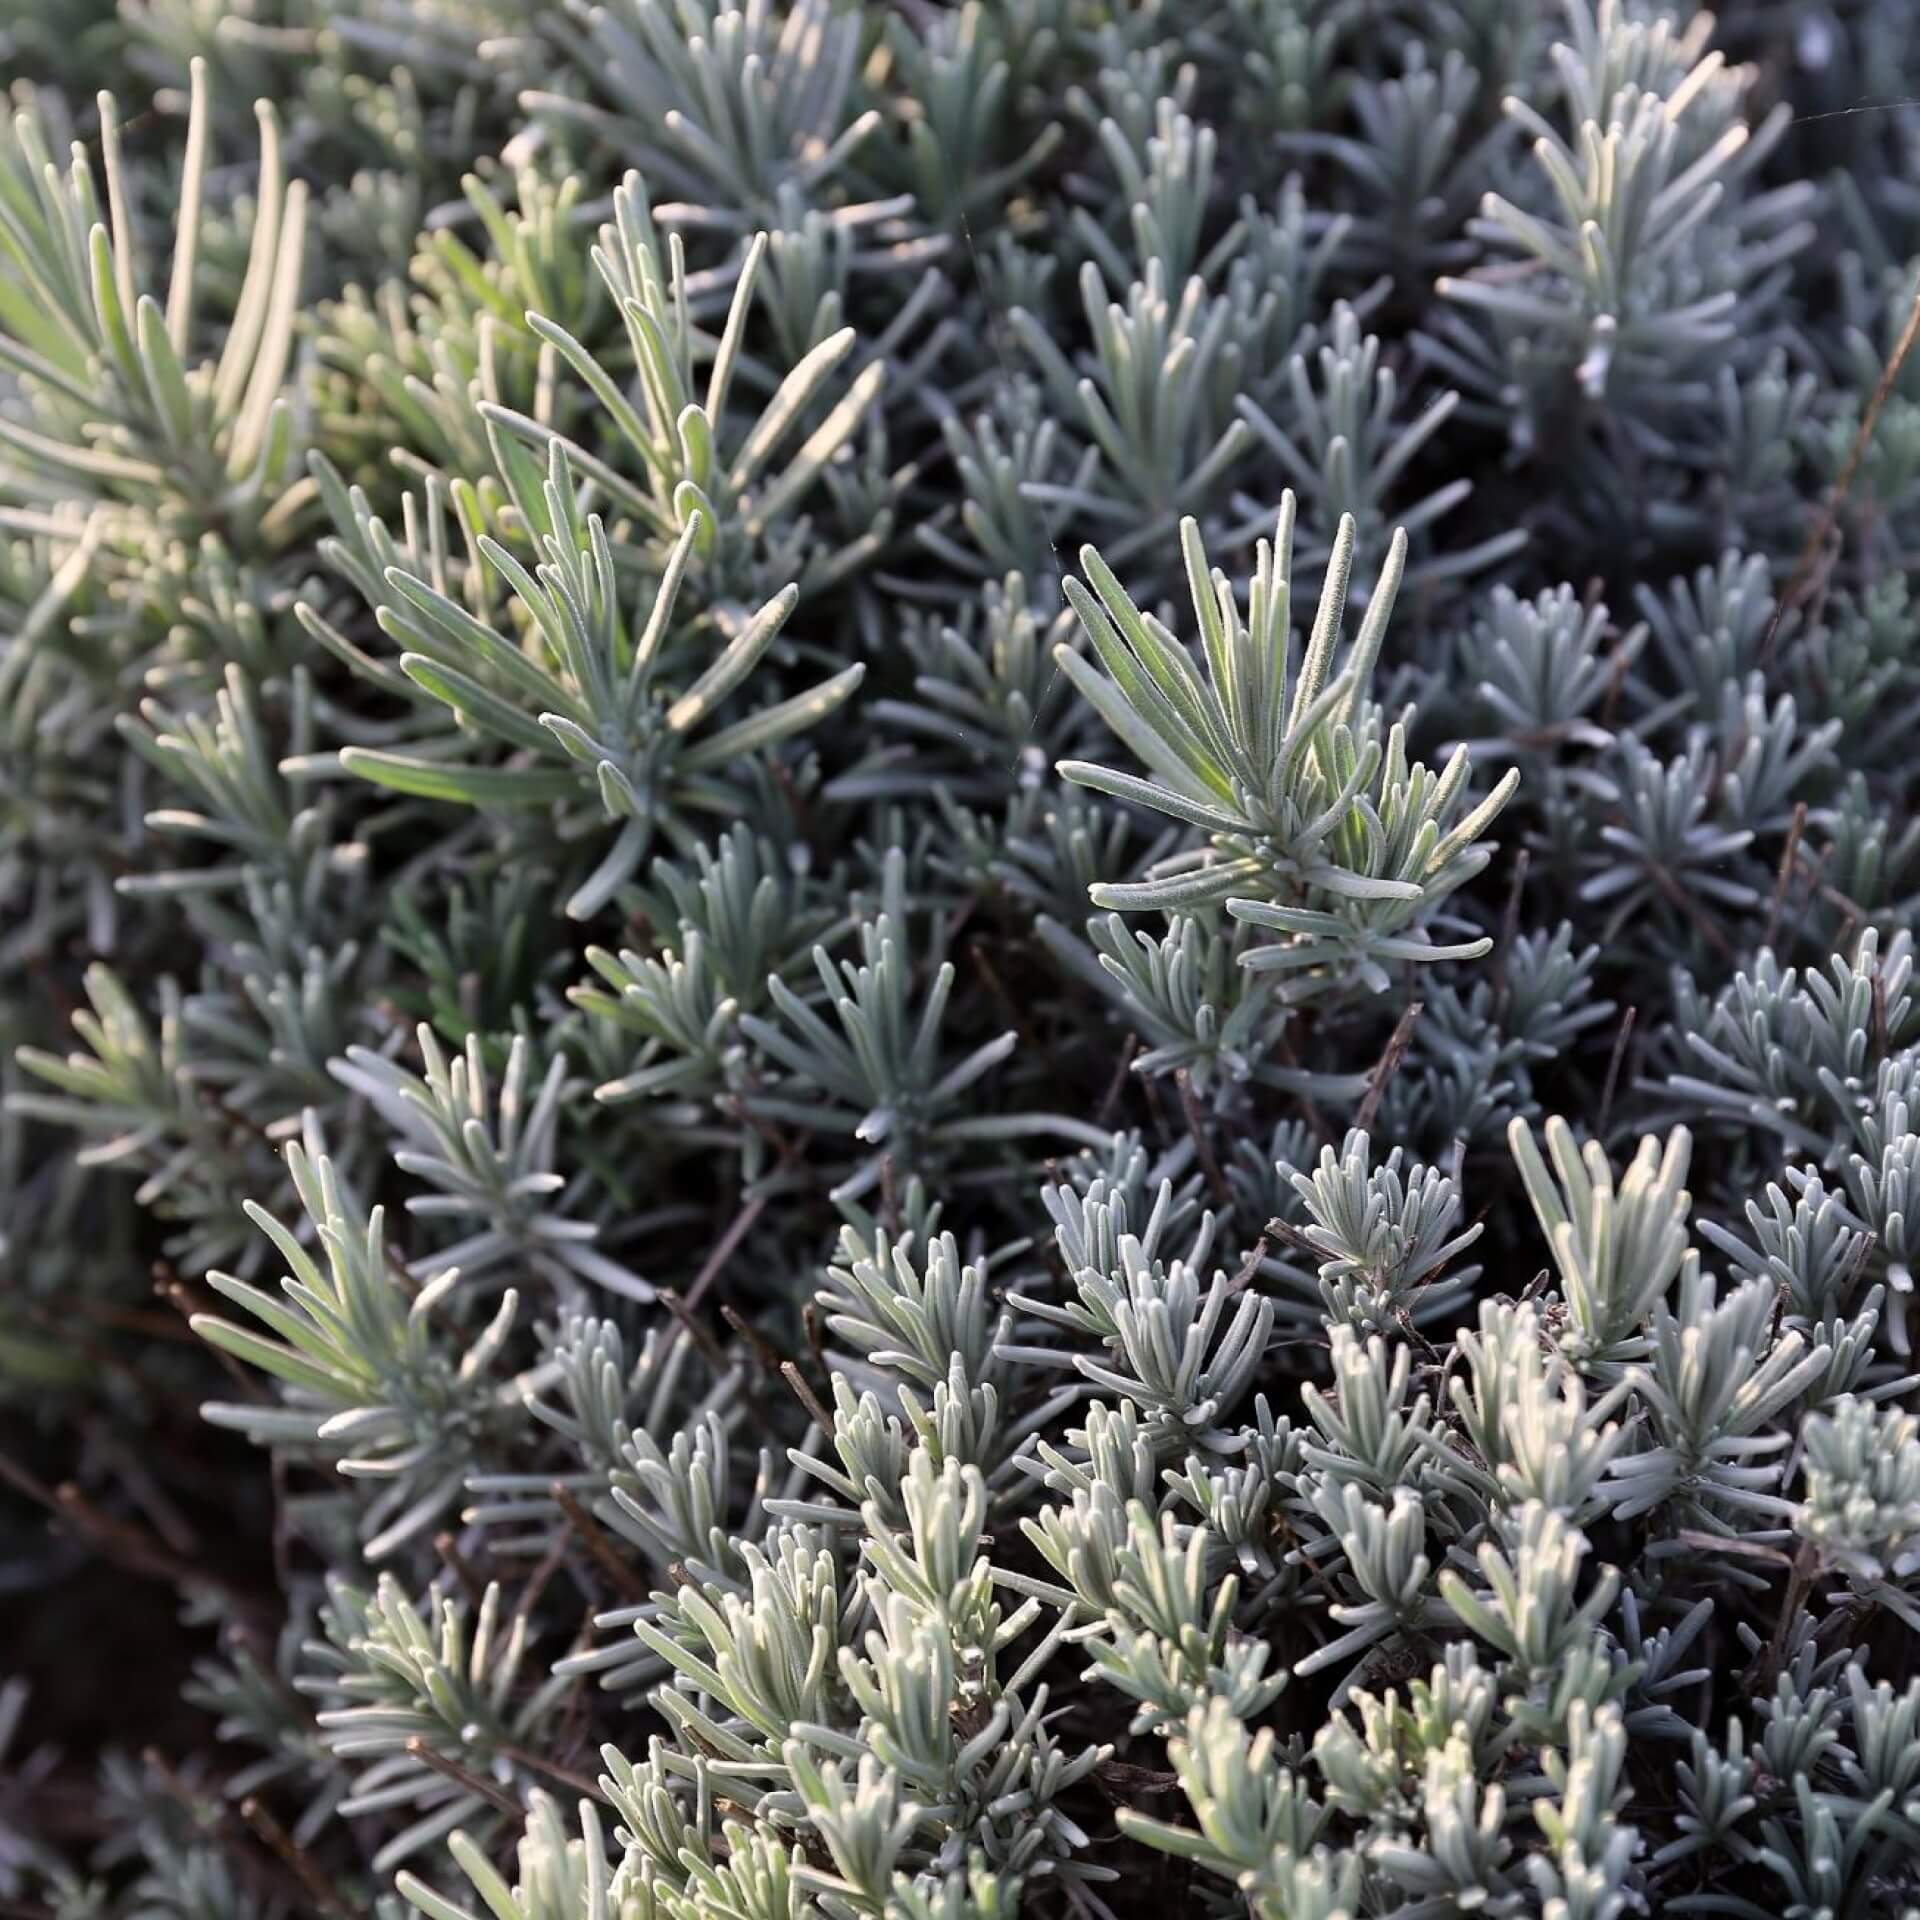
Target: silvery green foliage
[1154, 402]
[732, 107]
[404, 1681]
[868, 1229]
[1385, 1237]
[369, 1382]
[1185, 1349]
[1617, 1244]
[595, 705]
[490, 1160]
[882, 1066]
[1184, 990]
[1317, 827]
[1861, 1495]
[128, 408]
[1346, 448]
[1641, 220]
[562, 1876]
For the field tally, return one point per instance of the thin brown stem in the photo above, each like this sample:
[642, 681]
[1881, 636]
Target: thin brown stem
[1250, 1266]
[537, 1584]
[1009, 1007]
[813, 1324]
[175, 1292]
[766, 1356]
[462, 1569]
[1389, 1065]
[465, 1779]
[1619, 1053]
[1806, 1565]
[1117, 1085]
[565, 1775]
[1789, 859]
[724, 1249]
[119, 1539]
[295, 1858]
[805, 1394]
[697, 1331]
[1801, 584]
[1509, 926]
[1202, 1139]
[593, 1537]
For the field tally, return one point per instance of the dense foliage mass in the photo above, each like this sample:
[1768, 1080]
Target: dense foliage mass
[959, 961]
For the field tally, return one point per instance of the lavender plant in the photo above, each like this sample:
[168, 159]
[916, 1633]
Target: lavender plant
[958, 961]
